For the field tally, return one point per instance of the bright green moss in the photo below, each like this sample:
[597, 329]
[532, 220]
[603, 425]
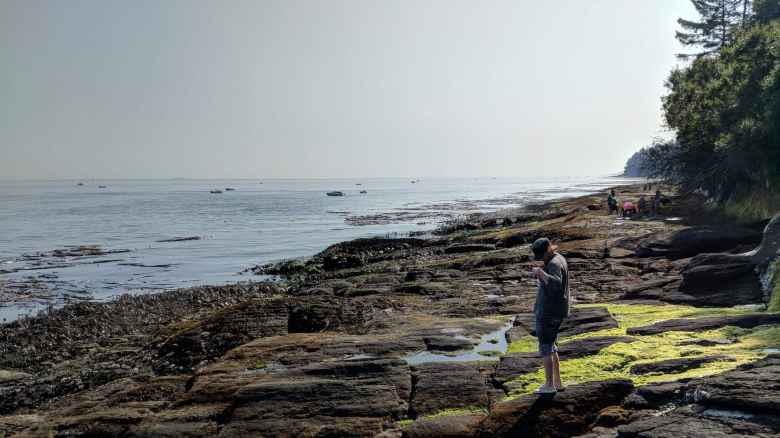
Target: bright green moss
[526, 344]
[616, 360]
[467, 410]
[404, 423]
[259, 365]
[490, 353]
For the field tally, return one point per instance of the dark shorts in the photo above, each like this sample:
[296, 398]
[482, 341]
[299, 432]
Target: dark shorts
[547, 334]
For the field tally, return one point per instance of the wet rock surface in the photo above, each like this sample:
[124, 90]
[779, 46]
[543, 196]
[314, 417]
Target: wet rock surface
[742, 402]
[382, 337]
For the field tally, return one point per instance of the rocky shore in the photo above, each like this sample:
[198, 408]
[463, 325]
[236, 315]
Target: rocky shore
[429, 338]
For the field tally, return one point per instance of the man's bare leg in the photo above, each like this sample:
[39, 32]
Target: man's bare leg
[556, 370]
[549, 369]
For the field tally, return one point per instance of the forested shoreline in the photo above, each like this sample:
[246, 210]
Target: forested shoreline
[723, 106]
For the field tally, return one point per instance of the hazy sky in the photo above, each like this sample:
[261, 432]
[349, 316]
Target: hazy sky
[97, 89]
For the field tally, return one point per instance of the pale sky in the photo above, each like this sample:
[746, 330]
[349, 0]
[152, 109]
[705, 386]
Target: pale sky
[260, 89]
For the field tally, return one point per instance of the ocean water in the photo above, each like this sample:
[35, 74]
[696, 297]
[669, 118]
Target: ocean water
[260, 221]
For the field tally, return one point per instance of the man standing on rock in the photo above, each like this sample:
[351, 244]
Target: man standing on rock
[552, 306]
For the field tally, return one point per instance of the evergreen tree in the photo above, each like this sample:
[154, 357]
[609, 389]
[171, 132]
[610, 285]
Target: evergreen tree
[766, 10]
[715, 28]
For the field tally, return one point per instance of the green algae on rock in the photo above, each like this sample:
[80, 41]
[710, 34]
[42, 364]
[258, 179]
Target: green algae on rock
[615, 361]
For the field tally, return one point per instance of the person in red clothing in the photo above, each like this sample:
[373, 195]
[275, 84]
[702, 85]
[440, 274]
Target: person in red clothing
[629, 209]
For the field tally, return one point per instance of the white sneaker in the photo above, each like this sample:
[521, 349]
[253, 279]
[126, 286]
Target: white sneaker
[544, 389]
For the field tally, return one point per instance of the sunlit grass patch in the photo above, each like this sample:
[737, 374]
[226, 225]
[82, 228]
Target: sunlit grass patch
[616, 360]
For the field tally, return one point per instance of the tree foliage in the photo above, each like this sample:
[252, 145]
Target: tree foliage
[765, 11]
[725, 111]
[716, 26]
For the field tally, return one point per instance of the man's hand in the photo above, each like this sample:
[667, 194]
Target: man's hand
[540, 275]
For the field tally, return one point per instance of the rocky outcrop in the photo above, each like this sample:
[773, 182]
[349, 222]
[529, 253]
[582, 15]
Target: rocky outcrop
[357, 253]
[227, 329]
[738, 403]
[563, 415]
[32, 343]
[729, 279]
[708, 323]
[329, 354]
[692, 241]
[673, 366]
[440, 386]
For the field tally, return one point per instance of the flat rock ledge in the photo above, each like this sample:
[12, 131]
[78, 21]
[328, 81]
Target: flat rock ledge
[706, 323]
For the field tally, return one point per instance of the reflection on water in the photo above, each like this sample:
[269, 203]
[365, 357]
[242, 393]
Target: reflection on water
[491, 342]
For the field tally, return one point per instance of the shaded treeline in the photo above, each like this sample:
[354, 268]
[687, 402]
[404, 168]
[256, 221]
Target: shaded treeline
[723, 105]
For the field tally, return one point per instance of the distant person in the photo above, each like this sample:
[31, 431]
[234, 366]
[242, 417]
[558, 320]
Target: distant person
[612, 202]
[643, 204]
[656, 202]
[553, 302]
[629, 209]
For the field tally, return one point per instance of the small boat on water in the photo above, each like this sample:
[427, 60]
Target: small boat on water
[102, 187]
[216, 192]
[335, 193]
[80, 184]
[229, 189]
[363, 191]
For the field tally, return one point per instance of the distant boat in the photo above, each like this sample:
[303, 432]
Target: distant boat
[102, 187]
[216, 192]
[363, 191]
[335, 193]
[80, 184]
[358, 184]
[229, 189]
[415, 181]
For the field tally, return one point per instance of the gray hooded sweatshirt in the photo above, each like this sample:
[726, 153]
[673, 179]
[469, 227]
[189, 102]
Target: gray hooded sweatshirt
[553, 299]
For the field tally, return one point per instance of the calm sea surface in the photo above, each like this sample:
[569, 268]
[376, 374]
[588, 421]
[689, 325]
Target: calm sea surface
[258, 222]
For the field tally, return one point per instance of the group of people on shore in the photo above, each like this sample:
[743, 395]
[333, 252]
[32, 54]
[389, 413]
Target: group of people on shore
[628, 208]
